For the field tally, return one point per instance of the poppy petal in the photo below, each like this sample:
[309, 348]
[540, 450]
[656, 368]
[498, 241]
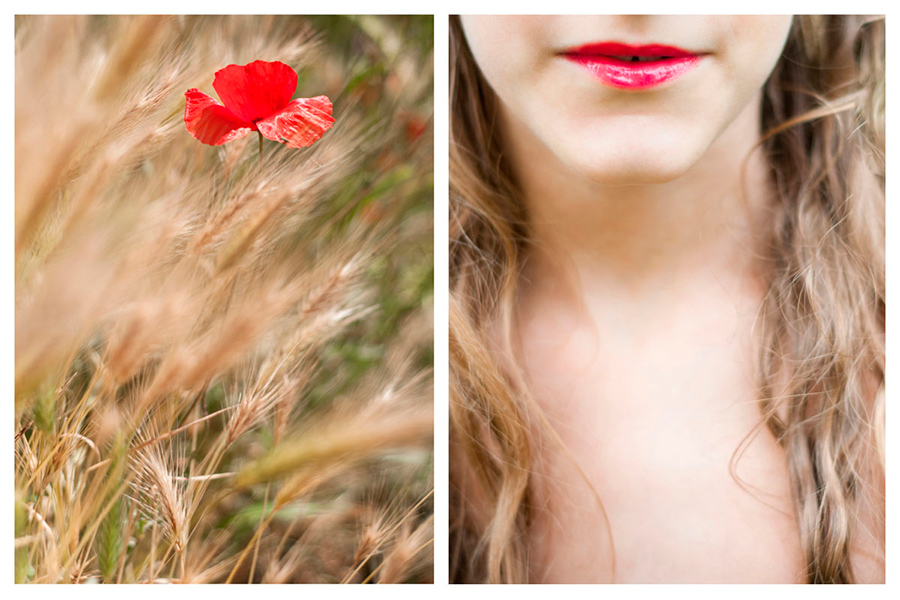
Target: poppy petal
[210, 122]
[300, 123]
[255, 90]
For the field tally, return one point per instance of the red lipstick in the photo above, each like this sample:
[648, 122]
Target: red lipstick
[633, 67]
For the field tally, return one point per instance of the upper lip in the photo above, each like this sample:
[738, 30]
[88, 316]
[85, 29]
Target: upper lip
[620, 50]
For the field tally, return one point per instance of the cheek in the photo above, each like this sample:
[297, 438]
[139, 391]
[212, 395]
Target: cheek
[752, 48]
[506, 48]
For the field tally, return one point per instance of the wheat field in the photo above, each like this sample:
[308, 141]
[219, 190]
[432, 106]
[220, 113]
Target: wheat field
[223, 358]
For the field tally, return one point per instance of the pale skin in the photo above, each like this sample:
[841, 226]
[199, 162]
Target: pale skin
[637, 303]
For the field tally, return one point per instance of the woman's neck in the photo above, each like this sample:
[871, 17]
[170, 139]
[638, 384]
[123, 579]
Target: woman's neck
[635, 333]
[639, 237]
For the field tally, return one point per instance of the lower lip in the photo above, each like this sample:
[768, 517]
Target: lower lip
[631, 75]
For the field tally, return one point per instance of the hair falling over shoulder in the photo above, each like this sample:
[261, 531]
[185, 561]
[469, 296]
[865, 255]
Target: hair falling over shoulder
[821, 362]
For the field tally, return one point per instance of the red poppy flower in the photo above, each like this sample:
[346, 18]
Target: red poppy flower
[256, 97]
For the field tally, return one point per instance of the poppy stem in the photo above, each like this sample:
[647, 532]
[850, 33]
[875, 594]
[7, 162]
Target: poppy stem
[259, 133]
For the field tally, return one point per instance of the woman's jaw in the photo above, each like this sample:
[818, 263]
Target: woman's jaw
[626, 100]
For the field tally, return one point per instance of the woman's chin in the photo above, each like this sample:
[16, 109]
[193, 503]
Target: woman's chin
[659, 158]
[641, 169]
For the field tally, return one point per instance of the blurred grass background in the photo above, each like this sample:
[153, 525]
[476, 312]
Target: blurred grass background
[298, 452]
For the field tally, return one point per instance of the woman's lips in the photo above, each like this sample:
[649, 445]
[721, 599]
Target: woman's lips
[633, 67]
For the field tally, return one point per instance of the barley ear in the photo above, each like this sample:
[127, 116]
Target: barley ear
[111, 541]
[44, 410]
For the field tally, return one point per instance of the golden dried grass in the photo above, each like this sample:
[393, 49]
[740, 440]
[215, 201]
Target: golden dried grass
[184, 411]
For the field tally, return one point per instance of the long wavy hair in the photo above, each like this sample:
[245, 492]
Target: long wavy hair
[821, 367]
